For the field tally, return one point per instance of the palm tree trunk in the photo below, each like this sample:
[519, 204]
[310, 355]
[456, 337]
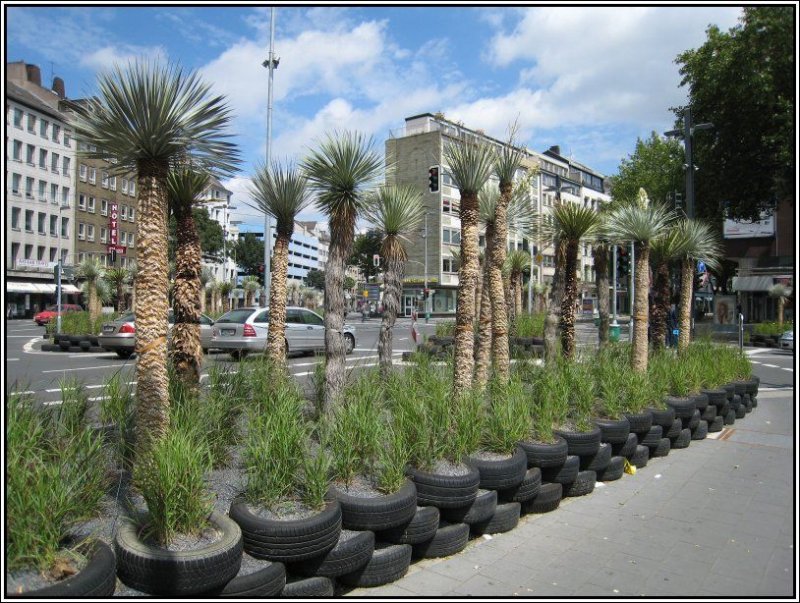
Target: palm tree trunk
[276, 347]
[187, 353]
[203, 293]
[640, 309]
[464, 342]
[781, 309]
[567, 323]
[91, 288]
[481, 281]
[338, 253]
[497, 259]
[393, 285]
[554, 306]
[120, 298]
[483, 355]
[509, 297]
[518, 295]
[600, 252]
[151, 289]
[660, 308]
[685, 306]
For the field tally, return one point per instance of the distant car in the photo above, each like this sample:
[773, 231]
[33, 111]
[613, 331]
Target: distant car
[244, 330]
[43, 317]
[120, 335]
[787, 341]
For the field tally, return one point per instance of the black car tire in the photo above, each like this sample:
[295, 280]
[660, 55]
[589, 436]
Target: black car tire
[318, 586]
[389, 562]
[351, 552]
[97, 579]
[445, 491]
[613, 471]
[482, 508]
[450, 538]
[505, 518]
[377, 512]
[640, 457]
[268, 581]
[640, 422]
[700, 432]
[583, 484]
[418, 529]
[542, 454]
[613, 431]
[527, 490]
[547, 500]
[684, 439]
[581, 443]
[598, 461]
[503, 473]
[565, 474]
[628, 448]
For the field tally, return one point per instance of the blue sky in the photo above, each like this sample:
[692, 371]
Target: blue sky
[590, 79]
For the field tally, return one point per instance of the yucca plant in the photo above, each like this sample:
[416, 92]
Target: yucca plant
[508, 418]
[664, 251]
[92, 271]
[518, 262]
[118, 279]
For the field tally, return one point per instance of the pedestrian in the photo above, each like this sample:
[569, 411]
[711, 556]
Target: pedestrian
[672, 326]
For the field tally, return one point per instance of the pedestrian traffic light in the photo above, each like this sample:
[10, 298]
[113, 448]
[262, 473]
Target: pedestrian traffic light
[433, 178]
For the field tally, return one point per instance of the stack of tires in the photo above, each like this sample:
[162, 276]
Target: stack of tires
[637, 453]
[550, 459]
[614, 435]
[584, 459]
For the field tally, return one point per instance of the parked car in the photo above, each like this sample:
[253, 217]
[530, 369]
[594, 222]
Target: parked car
[120, 335]
[787, 341]
[43, 317]
[244, 330]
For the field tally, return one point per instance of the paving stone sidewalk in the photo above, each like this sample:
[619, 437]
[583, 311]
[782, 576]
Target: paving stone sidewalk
[715, 520]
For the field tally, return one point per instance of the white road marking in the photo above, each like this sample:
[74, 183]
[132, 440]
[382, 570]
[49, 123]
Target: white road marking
[790, 369]
[85, 368]
[770, 365]
[18, 336]
[11, 359]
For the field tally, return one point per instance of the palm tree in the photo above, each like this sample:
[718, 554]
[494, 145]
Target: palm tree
[280, 192]
[118, 278]
[551, 320]
[699, 242]
[91, 270]
[664, 251]
[640, 222]
[225, 288]
[184, 186]
[600, 259]
[470, 166]
[148, 118]
[782, 293]
[518, 262]
[206, 277]
[573, 223]
[250, 284]
[340, 171]
[394, 212]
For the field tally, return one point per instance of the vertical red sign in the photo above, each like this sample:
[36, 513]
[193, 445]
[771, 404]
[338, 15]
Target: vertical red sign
[112, 226]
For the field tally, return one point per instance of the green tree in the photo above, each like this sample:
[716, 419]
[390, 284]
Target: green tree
[365, 246]
[743, 81]
[316, 279]
[249, 253]
[656, 165]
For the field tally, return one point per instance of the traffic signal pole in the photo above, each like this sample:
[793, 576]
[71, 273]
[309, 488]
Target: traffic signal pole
[614, 297]
[58, 296]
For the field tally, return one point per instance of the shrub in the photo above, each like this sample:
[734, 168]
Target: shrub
[316, 477]
[772, 328]
[393, 457]
[117, 409]
[508, 418]
[79, 323]
[529, 325]
[466, 417]
[446, 328]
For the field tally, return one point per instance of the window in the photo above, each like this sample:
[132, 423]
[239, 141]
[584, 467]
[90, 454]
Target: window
[130, 214]
[54, 162]
[123, 212]
[132, 190]
[53, 193]
[28, 251]
[40, 252]
[90, 232]
[92, 175]
[30, 154]
[81, 231]
[66, 166]
[29, 220]
[29, 187]
[67, 138]
[16, 153]
[43, 128]
[451, 236]
[15, 180]
[130, 239]
[90, 205]
[14, 253]
[81, 257]
[103, 207]
[450, 206]
[112, 183]
[82, 202]
[31, 122]
[82, 172]
[54, 226]
[42, 190]
[103, 234]
[65, 228]
[125, 185]
[43, 159]
[65, 196]
[123, 237]
[15, 212]
[449, 265]
[18, 118]
[56, 132]
[104, 179]
[42, 223]
[53, 251]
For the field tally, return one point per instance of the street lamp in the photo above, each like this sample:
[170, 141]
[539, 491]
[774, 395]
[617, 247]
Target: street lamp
[271, 63]
[426, 295]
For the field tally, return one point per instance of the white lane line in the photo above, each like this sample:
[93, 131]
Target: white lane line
[790, 369]
[18, 336]
[11, 359]
[84, 368]
[770, 365]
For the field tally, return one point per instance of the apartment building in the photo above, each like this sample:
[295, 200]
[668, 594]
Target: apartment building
[39, 192]
[217, 201]
[434, 248]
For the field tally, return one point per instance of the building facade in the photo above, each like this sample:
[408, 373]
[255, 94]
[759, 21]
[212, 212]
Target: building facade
[40, 191]
[217, 201]
[433, 250]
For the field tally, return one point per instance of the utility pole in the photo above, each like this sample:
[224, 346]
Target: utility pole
[614, 286]
[426, 293]
[271, 64]
[632, 272]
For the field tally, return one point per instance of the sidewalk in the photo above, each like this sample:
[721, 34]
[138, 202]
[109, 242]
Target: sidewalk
[715, 519]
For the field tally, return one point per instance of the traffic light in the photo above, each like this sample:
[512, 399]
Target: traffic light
[433, 178]
[623, 261]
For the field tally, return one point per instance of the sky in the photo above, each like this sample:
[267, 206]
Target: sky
[591, 79]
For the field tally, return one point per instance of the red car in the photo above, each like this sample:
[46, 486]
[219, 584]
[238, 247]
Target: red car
[43, 317]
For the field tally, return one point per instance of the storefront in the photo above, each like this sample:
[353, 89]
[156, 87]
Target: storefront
[25, 298]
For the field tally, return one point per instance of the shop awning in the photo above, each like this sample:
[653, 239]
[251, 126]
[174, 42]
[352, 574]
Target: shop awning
[753, 283]
[12, 287]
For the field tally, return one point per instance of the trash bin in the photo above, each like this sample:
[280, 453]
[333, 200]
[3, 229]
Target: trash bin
[613, 333]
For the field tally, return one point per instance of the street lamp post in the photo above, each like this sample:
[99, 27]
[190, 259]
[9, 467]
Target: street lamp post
[426, 294]
[271, 63]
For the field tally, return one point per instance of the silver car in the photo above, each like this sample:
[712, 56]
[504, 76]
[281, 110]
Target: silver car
[787, 341]
[120, 335]
[244, 330]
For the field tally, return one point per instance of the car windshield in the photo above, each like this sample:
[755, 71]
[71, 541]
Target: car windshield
[238, 317]
[53, 308]
[126, 317]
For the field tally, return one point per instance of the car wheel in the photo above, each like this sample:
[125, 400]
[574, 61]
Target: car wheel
[239, 355]
[124, 354]
[349, 343]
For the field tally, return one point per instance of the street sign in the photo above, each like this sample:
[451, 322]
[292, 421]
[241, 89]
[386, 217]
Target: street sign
[539, 258]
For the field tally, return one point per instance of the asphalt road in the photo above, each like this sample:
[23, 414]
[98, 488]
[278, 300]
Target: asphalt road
[31, 370]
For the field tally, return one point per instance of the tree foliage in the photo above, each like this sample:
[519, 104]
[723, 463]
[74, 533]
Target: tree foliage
[743, 81]
[656, 165]
[210, 231]
[365, 246]
[249, 254]
[316, 279]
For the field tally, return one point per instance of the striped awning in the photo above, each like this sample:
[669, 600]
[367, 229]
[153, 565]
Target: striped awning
[27, 287]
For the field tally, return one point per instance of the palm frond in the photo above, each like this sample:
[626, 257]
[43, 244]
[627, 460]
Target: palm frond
[574, 222]
[90, 269]
[699, 242]
[395, 211]
[281, 192]
[518, 261]
[640, 221]
[488, 197]
[470, 164]
[667, 247]
[117, 276]
[185, 185]
[509, 159]
[154, 113]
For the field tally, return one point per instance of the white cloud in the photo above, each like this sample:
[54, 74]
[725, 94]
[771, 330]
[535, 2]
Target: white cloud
[108, 56]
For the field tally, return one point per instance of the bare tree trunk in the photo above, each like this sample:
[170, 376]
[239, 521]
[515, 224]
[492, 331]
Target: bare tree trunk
[497, 259]
[685, 306]
[151, 287]
[276, 346]
[518, 295]
[509, 298]
[393, 285]
[554, 305]
[464, 342]
[600, 253]
[640, 309]
[91, 288]
[660, 307]
[483, 355]
[781, 310]
[203, 292]
[567, 323]
[186, 352]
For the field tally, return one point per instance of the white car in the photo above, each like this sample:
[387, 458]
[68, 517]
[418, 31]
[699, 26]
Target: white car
[787, 341]
[244, 330]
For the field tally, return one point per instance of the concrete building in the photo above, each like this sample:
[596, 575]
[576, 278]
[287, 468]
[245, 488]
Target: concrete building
[40, 190]
[433, 255]
[217, 201]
